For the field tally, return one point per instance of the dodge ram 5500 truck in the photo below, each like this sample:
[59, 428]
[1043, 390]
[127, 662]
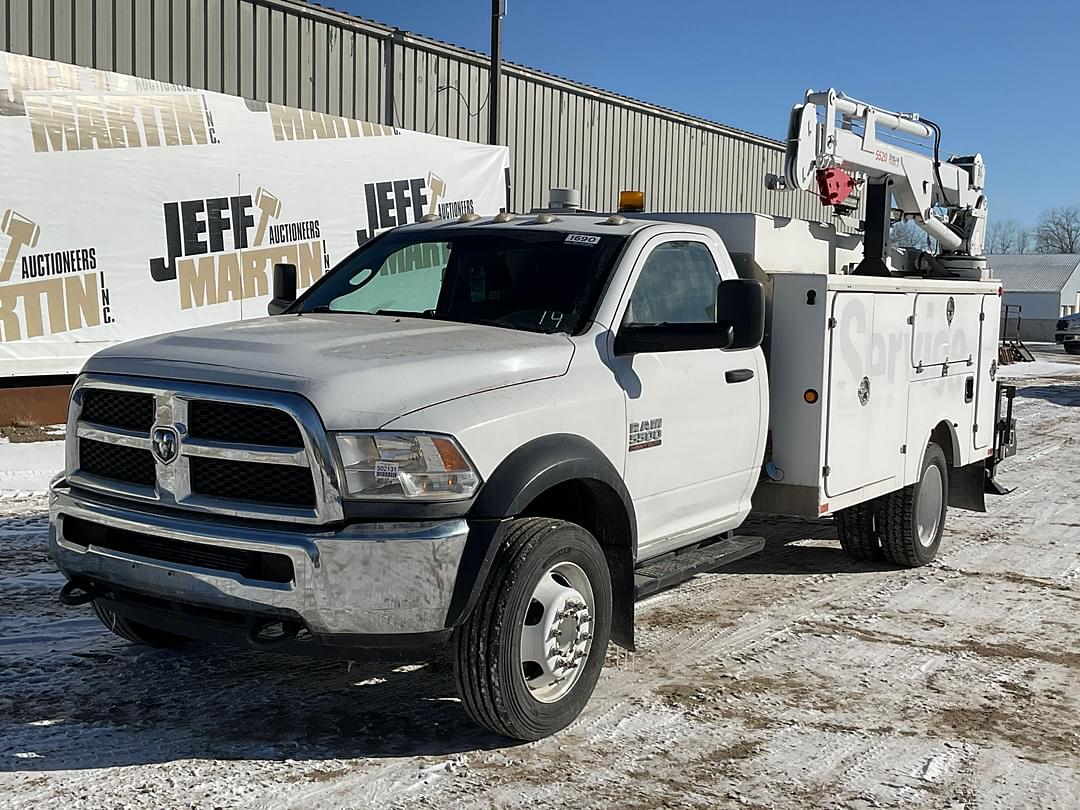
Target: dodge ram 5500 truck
[494, 434]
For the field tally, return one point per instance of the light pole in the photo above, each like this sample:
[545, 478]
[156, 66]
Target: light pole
[498, 11]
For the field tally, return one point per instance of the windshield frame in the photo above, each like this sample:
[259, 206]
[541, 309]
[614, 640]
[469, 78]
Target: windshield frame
[585, 318]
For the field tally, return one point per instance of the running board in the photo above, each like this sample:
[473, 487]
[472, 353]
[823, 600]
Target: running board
[669, 570]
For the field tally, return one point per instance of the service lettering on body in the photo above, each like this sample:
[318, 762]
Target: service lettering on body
[221, 249]
[48, 291]
[390, 203]
[895, 345]
[74, 109]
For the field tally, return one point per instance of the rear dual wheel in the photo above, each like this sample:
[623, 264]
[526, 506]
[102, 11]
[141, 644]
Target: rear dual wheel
[528, 657]
[905, 526]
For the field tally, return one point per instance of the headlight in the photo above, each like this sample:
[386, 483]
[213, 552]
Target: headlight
[405, 466]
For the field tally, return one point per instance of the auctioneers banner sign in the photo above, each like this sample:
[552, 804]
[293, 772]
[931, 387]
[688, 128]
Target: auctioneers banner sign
[130, 207]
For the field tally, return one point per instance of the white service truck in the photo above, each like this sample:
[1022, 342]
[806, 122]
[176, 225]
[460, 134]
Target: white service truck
[494, 434]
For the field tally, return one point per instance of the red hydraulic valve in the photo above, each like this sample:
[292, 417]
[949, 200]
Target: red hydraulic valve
[834, 186]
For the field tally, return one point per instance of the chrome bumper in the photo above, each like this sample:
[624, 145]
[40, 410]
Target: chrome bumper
[370, 578]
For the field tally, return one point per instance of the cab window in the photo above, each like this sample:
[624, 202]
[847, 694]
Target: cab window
[677, 284]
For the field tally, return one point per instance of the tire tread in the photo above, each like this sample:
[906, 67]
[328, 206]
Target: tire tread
[896, 526]
[479, 692]
[477, 661]
[855, 527]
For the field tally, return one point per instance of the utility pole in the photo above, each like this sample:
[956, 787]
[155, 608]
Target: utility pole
[498, 11]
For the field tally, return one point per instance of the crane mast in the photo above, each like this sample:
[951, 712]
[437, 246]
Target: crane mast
[833, 147]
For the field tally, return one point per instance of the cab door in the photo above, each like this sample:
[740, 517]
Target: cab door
[693, 417]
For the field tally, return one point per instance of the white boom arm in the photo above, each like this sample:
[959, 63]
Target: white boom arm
[918, 183]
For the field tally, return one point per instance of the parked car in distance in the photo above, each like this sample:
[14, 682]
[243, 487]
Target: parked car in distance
[1067, 333]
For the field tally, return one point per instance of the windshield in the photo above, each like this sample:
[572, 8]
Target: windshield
[525, 278]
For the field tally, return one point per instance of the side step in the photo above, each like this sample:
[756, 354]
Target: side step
[664, 572]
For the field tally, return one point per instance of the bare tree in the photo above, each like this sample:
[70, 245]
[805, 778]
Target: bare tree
[1025, 240]
[906, 234]
[1058, 230]
[1007, 236]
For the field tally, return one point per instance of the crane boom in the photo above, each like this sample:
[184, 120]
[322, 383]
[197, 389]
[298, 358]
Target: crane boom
[827, 152]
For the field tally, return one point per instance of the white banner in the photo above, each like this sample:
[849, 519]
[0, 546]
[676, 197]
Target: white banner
[130, 207]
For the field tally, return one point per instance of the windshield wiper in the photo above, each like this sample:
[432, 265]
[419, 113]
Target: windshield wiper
[401, 313]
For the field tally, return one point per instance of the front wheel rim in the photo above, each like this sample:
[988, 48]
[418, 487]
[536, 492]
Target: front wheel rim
[928, 508]
[557, 632]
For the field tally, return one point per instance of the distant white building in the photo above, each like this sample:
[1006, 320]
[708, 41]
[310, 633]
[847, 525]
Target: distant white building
[1046, 286]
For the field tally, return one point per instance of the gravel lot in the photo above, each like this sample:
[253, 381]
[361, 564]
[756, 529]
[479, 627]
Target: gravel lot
[794, 678]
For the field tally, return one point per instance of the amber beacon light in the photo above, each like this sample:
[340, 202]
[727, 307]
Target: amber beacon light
[631, 201]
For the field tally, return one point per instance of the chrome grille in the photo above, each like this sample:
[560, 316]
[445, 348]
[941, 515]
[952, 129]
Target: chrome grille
[129, 410]
[117, 462]
[246, 480]
[239, 452]
[247, 424]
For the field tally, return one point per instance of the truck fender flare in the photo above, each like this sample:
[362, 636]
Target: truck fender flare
[540, 464]
[966, 484]
[944, 434]
[525, 474]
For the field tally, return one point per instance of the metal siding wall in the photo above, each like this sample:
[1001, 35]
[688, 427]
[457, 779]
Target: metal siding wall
[287, 52]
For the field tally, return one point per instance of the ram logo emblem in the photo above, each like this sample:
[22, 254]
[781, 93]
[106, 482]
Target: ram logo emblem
[166, 444]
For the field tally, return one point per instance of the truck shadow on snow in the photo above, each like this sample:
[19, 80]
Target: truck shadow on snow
[784, 552]
[115, 705]
[90, 700]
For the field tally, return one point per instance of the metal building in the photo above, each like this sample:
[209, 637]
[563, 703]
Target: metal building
[560, 133]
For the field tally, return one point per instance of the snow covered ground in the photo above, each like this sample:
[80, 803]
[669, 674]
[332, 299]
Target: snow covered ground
[25, 468]
[793, 678]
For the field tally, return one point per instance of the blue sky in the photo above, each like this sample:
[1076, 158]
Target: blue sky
[1000, 78]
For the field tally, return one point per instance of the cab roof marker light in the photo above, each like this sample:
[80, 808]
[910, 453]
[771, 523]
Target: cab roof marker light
[631, 201]
[430, 218]
[470, 217]
[615, 219]
[503, 216]
[545, 219]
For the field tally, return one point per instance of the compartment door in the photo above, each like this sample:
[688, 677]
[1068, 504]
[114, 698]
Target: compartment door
[867, 401]
[986, 372]
[944, 333]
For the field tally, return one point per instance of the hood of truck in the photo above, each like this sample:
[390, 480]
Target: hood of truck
[359, 371]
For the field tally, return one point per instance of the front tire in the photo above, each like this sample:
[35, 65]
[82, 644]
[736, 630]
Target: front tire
[911, 520]
[133, 631]
[527, 658]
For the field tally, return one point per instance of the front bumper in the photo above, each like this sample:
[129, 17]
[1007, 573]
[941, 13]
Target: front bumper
[392, 579]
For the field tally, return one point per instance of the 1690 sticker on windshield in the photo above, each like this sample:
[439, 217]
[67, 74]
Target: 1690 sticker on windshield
[582, 239]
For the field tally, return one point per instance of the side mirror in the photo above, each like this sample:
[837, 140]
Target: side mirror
[284, 289]
[673, 337]
[740, 303]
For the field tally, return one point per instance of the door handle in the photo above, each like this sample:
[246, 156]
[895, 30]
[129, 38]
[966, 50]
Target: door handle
[739, 375]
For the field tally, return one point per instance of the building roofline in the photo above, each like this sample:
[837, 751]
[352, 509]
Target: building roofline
[436, 46]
